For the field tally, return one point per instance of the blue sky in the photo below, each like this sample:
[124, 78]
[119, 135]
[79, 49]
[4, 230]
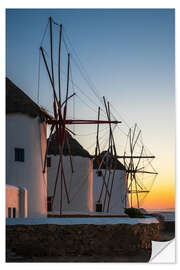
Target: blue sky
[128, 54]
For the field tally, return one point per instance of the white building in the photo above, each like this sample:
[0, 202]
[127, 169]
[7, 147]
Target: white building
[16, 202]
[117, 184]
[84, 185]
[27, 188]
[79, 183]
[25, 150]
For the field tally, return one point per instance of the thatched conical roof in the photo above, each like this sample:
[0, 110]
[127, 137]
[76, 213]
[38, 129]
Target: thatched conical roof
[76, 148]
[18, 102]
[109, 161]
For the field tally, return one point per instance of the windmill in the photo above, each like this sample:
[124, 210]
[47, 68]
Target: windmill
[58, 122]
[136, 161]
[107, 160]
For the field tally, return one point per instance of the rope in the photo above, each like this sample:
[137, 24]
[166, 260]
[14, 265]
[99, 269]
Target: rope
[79, 64]
[44, 32]
[39, 69]
[91, 132]
[84, 102]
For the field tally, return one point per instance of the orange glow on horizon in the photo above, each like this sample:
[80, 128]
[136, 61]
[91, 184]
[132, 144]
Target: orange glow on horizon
[161, 196]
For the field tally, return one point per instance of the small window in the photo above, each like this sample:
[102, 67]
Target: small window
[99, 173]
[9, 212]
[48, 162]
[14, 212]
[49, 203]
[19, 154]
[98, 207]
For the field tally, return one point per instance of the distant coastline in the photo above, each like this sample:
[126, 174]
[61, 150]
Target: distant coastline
[161, 210]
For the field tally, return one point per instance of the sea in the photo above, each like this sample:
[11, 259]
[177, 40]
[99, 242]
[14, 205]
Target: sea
[168, 213]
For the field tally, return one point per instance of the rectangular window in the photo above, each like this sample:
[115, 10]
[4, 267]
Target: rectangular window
[49, 204]
[19, 154]
[9, 212]
[48, 162]
[98, 207]
[99, 173]
[14, 212]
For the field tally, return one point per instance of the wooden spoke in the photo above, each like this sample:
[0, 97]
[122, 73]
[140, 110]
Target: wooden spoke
[114, 170]
[57, 175]
[106, 191]
[135, 126]
[136, 139]
[137, 197]
[69, 150]
[51, 79]
[102, 188]
[51, 49]
[139, 191]
[97, 149]
[47, 148]
[139, 158]
[68, 99]
[59, 63]
[146, 172]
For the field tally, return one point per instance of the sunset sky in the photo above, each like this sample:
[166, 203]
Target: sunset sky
[128, 55]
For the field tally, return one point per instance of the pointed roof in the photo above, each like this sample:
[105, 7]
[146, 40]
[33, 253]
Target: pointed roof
[76, 148]
[110, 161]
[18, 102]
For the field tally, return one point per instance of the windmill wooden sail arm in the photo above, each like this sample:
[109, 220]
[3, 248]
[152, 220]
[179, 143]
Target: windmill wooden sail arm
[52, 120]
[46, 114]
[136, 162]
[145, 157]
[79, 122]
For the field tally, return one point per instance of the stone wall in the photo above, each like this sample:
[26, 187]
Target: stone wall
[75, 240]
[169, 226]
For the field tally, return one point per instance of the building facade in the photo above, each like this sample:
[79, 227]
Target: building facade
[25, 149]
[110, 198]
[79, 182]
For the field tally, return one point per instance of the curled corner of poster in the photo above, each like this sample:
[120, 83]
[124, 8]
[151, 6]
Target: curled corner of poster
[163, 252]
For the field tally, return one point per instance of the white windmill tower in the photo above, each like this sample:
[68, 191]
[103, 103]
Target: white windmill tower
[25, 151]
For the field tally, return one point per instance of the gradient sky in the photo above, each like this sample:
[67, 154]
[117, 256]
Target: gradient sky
[129, 56]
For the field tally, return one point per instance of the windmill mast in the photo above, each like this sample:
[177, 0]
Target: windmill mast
[132, 168]
[59, 121]
[59, 63]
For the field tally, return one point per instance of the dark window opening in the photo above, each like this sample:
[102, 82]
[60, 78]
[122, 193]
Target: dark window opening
[48, 162]
[98, 207]
[9, 212]
[49, 203]
[19, 154]
[99, 173]
[14, 212]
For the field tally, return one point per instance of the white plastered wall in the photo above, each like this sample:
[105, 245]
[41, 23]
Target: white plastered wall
[119, 198]
[79, 185]
[23, 131]
[16, 197]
